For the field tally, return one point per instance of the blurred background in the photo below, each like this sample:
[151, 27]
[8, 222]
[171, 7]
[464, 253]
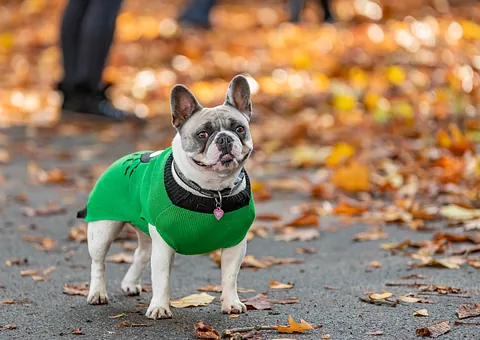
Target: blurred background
[380, 59]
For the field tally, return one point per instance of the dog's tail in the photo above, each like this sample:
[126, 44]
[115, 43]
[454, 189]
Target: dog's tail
[82, 213]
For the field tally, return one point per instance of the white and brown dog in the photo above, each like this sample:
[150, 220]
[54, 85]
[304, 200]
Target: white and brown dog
[179, 199]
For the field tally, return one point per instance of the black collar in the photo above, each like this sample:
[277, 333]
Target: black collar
[187, 200]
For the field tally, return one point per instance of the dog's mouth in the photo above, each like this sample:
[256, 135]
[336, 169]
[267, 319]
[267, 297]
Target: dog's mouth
[225, 160]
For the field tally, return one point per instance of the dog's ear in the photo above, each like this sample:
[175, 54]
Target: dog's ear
[183, 105]
[238, 95]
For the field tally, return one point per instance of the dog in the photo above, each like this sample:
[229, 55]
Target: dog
[192, 198]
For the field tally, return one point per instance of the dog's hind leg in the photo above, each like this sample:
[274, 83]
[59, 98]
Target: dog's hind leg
[100, 236]
[131, 284]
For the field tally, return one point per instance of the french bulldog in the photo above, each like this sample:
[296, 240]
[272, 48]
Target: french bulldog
[192, 198]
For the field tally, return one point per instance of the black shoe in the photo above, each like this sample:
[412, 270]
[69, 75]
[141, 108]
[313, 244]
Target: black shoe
[71, 101]
[97, 103]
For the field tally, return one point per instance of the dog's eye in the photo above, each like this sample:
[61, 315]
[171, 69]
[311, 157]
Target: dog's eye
[202, 135]
[240, 129]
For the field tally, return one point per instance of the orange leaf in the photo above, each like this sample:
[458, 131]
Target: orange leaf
[350, 207]
[305, 220]
[294, 327]
[353, 177]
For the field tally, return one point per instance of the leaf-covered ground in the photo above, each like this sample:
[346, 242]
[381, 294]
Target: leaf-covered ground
[366, 170]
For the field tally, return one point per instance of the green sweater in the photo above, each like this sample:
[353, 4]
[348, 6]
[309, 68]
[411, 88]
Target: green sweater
[139, 188]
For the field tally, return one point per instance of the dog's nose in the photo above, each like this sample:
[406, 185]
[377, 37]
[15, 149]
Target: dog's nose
[225, 143]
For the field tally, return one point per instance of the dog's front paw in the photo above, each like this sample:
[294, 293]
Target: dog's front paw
[131, 288]
[233, 307]
[158, 312]
[97, 297]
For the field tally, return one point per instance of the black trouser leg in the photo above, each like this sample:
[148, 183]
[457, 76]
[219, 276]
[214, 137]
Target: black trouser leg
[326, 10]
[69, 37]
[96, 37]
[296, 7]
[198, 12]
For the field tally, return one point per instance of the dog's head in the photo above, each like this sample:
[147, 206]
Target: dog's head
[214, 139]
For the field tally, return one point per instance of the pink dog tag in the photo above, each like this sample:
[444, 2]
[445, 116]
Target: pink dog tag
[218, 212]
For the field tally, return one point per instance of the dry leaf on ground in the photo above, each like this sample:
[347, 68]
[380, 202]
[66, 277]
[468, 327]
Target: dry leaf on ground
[15, 262]
[374, 264]
[218, 289]
[306, 220]
[453, 262]
[380, 296]
[51, 208]
[9, 326]
[7, 302]
[77, 331]
[409, 299]
[434, 330]
[468, 311]
[78, 234]
[257, 302]
[372, 234]
[421, 312]
[120, 258]
[474, 262]
[131, 246]
[375, 333]
[40, 278]
[293, 234]
[46, 244]
[29, 272]
[49, 270]
[352, 177]
[294, 327]
[306, 250]
[326, 336]
[204, 331]
[194, 300]
[268, 217]
[76, 289]
[279, 285]
[350, 207]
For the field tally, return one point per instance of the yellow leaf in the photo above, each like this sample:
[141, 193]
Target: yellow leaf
[193, 300]
[279, 285]
[421, 312]
[294, 327]
[383, 295]
[353, 177]
[408, 299]
[344, 102]
[455, 212]
[339, 154]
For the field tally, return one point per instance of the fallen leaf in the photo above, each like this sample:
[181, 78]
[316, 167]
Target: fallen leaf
[51, 208]
[412, 276]
[455, 212]
[77, 331]
[120, 258]
[130, 324]
[329, 288]
[421, 312]
[279, 285]
[78, 233]
[375, 333]
[284, 301]
[193, 300]
[350, 207]
[309, 250]
[118, 316]
[233, 316]
[340, 153]
[474, 262]
[268, 217]
[292, 234]
[204, 331]
[294, 327]
[468, 311]
[306, 220]
[218, 289]
[374, 264]
[453, 262]
[326, 336]
[29, 272]
[434, 330]
[252, 262]
[409, 299]
[40, 278]
[14, 262]
[352, 177]
[46, 244]
[372, 234]
[7, 302]
[380, 296]
[257, 302]
[10, 326]
[76, 289]
[49, 270]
